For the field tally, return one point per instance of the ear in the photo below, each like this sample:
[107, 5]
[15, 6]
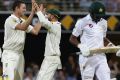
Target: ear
[16, 8]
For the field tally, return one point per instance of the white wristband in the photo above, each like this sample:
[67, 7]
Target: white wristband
[0, 52]
[110, 44]
[78, 45]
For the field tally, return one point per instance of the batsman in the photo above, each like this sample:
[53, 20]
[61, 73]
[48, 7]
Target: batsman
[92, 31]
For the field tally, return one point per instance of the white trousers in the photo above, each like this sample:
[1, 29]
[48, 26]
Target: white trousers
[48, 68]
[95, 65]
[13, 65]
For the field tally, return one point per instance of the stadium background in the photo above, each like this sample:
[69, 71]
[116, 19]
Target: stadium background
[71, 10]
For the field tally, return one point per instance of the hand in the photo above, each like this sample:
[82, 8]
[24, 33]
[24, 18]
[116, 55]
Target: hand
[84, 49]
[41, 8]
[118, 53]
[33, 7]
[110, 45]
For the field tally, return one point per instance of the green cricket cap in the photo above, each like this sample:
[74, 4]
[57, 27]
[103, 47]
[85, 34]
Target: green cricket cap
[54, 12]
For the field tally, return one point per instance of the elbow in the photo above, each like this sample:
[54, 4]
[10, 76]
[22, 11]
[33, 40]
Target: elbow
[24, 29]
[35, 33]
[70, 39]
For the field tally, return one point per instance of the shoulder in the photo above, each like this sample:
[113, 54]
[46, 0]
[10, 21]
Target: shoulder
[83, 21]
[103, 21]
[58, 23]
[11, 18]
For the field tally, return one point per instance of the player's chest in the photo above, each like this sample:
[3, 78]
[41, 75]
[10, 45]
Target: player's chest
[93, 28]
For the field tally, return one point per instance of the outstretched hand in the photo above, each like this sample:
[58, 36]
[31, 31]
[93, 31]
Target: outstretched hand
[36, 7]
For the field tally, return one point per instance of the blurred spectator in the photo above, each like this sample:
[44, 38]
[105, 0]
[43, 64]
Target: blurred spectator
[84, 4]
[111, 5]
[67, 5]
[29, 74]
[71, 69]
[7, 4]
[60, 75]
[118, 71]
[0, 69]
[115, 68]
[35, 68]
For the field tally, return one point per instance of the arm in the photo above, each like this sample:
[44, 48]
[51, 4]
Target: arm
[77, 31]
[73, 40]
[107, 42]
[47, 24]
[36, 29]
[43, 20]
[23, 26]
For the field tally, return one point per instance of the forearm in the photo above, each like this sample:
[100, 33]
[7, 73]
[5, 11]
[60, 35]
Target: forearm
[73, 40]
[107, 41]
[41, 17]
[37, 28]
[44, 22]
[25, 24]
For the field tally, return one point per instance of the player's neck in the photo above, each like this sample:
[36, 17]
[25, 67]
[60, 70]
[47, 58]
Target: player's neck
[54, 20]
[16, 14]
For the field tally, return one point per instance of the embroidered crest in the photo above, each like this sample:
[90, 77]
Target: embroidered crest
[100, 10]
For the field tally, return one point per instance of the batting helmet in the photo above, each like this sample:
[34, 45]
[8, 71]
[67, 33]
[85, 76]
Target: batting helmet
[97, 8]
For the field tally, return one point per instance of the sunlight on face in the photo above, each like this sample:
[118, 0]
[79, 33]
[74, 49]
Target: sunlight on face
[22, 9]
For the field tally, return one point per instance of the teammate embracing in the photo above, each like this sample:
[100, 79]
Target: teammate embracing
[14, 39]
[52, 54]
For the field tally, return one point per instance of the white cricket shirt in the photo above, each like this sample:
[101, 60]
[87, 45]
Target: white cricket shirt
[53, 35]
[92, 34]
[14, 39]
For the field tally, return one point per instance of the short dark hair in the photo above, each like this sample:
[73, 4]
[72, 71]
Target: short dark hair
[17, 3]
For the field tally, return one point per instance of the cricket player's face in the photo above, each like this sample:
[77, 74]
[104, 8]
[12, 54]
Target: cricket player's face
[22, 9]
[49, 16]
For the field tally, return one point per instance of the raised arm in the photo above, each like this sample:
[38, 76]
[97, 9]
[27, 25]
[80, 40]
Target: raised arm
[23, 26]
[36, 29]
[43, 20]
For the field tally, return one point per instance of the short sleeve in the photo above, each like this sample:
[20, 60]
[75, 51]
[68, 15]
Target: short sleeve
[29, 29]
[78, 28]
[105, 29]
[12, 22]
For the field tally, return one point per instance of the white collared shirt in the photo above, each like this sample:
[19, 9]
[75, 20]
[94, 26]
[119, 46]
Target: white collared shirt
[92, 34]
[14, 39]
[53, 35]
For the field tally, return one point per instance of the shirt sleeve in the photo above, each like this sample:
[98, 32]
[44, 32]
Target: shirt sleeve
[29, 29]
[12, 23]
[78, 28]
[44, 21]
[105, 29]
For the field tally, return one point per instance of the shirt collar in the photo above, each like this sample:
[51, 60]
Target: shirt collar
[12, 15]
[20, 19]
[89, 17]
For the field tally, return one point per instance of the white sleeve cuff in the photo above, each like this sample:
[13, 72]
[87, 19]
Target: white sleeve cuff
[0, 53]
[29, 29]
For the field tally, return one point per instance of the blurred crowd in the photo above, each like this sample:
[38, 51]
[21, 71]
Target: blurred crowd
[66, 5]
[70, 70]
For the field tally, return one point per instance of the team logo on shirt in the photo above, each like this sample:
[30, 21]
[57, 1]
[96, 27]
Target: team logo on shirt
[100, 10]
[14, 20]
[90, 25]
